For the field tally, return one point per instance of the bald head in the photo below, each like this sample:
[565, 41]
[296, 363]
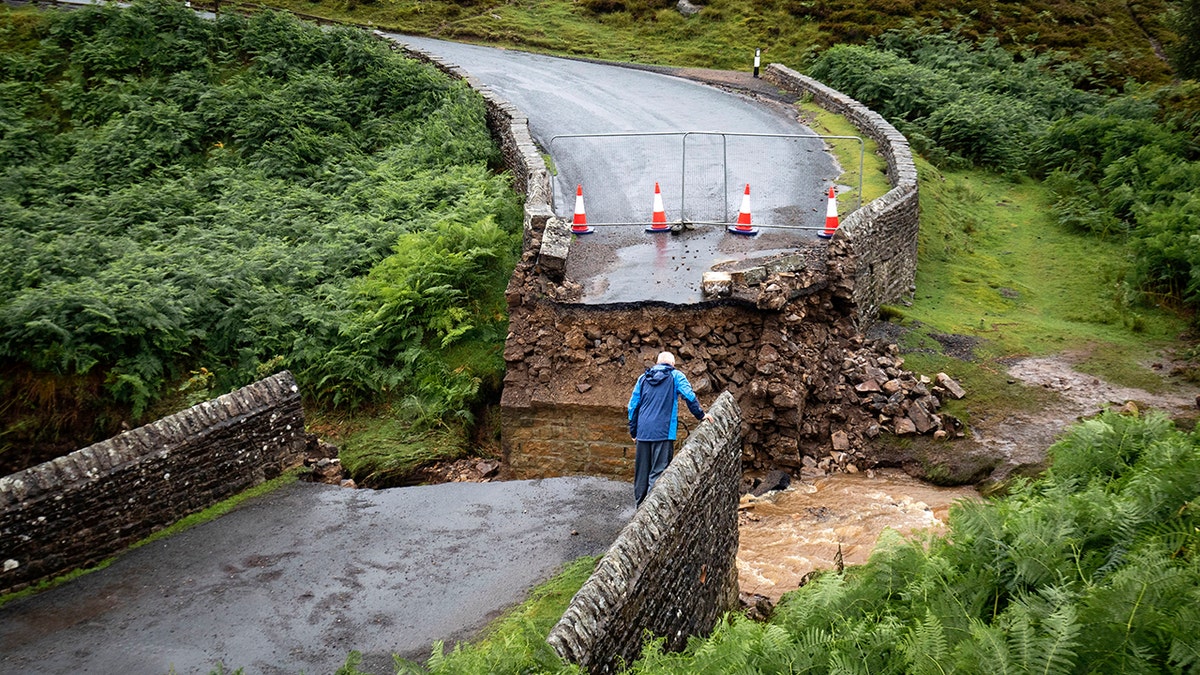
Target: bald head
[667, 358]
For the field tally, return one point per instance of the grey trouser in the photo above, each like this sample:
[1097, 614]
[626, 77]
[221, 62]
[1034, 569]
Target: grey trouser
[651, 460]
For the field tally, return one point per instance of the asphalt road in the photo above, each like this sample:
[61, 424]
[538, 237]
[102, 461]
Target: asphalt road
[293, 581]
[702, 179]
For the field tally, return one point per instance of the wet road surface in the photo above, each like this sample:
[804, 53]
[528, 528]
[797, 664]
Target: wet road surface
[702, 176]
[295, 580]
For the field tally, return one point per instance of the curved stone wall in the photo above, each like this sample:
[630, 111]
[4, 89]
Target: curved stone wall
[879, 240]
[673, 570]
[78, 509]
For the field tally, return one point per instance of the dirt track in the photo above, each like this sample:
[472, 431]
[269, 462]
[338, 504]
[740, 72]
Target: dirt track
[1021, 439]
[295, 580]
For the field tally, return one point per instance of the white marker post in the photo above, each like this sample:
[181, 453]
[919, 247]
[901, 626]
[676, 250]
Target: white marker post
[757, 53]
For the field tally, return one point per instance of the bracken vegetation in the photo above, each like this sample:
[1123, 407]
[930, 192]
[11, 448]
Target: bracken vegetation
[188, 204]
[1120, 165]
[1108, 38]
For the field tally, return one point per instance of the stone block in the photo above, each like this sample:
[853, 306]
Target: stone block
[716, 284]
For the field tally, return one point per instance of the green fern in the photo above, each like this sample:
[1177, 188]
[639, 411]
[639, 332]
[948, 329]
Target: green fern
[985, 650]
[1184, 650]
[925, 648]
[1043, 632]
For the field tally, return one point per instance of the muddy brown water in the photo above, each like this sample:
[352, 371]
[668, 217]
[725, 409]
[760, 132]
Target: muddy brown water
[788, 534]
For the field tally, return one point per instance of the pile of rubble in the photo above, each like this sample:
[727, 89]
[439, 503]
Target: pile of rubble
[321, 464]
[469, 470]
[903, 402]
[880, 396]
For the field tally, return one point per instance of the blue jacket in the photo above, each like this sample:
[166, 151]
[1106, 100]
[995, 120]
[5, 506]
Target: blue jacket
[658, 413]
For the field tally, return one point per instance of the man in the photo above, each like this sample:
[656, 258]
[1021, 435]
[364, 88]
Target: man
[653, 418]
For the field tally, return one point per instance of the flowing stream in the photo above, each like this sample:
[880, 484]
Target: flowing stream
[788, 534]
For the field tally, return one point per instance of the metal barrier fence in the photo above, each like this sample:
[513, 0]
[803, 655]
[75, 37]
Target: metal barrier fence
[708, 165]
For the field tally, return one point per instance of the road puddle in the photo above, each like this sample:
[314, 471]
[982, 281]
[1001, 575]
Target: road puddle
[790, 533]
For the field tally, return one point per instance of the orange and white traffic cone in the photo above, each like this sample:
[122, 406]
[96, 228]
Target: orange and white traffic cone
[580, 226]
[658, 222]
[743, 222]
[831, 219]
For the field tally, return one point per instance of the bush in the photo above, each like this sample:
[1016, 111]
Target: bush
[885, 82]
[1117, 174]
[963, 103]
[986, 130]
[178, 193]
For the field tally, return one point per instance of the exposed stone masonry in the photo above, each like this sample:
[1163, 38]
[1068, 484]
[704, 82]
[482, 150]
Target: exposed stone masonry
[880, 239]
[563, 440]
[78, 509]
[672, 570]
[808, 382]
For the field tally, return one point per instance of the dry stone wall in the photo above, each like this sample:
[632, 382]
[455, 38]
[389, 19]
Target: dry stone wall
[880, 239]
[672, 571]
[78, 509]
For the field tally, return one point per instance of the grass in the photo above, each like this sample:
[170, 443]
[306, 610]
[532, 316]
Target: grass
[726, 33]
[379, 446]
[995, 266]
[874, 168]
[723, 36]
[211, 513]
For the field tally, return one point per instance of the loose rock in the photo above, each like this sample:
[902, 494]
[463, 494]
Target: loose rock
[951, 386]
[841, 441]
[756, 607]
[775, 480]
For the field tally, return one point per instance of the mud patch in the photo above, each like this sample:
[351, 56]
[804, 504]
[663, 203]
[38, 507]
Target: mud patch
[887, 331]
[961, 347]
[1020, 440]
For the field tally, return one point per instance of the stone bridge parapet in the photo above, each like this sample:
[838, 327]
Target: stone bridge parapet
[76, 510]
[879, 239]
[673, 570]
